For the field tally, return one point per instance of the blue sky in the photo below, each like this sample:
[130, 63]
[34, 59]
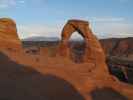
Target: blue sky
[108, 18]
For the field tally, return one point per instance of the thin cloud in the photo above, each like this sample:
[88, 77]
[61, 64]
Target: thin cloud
[107, 19]
[22, 2]
[4, 4]
[103, 27]
[38, 30]
[101, 30]
[114, 29]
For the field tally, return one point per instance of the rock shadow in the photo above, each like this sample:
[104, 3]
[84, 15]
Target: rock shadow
[77, 51]
[18, 82]
[106, 94]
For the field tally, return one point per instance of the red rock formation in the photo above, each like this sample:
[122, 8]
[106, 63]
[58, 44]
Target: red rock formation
[93, 47]
[8, 34]
[120, 47]
[108, 45]
[8, 30]
[93, 50]
[123, 48]
[94, 58]
[86, 77]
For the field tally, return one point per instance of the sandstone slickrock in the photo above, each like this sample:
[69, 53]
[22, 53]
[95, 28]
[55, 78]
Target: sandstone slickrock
[87, 77]
[8, 30]
[94, 56]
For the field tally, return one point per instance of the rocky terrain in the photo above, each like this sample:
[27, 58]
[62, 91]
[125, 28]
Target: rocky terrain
[52, 73]
[120, 47]
[120, 63]
[119, 53]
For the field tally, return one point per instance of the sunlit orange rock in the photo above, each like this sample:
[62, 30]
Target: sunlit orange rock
[94, 65]
[87, 78]
[94, 53]
[8, 30]
[93, 47]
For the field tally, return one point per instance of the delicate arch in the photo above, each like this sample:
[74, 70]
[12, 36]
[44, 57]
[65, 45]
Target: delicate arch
[93, 50]
[72, 26]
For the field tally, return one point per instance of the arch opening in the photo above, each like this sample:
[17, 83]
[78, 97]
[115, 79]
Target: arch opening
[76, 37]
[73, 42]
[77, 47]
[93, 51]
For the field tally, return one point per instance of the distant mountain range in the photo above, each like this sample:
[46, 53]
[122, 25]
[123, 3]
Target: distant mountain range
[40, 38]
[50, 39]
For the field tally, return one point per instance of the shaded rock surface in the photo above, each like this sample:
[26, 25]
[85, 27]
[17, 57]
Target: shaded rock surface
[119, 53]
[120, 47]
[19, 82]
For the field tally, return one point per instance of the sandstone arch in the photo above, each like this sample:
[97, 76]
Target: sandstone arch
[98, 75]
[93, 51]
[78, 75]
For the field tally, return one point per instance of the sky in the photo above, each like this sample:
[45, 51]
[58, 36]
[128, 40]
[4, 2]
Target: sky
[108, 18]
